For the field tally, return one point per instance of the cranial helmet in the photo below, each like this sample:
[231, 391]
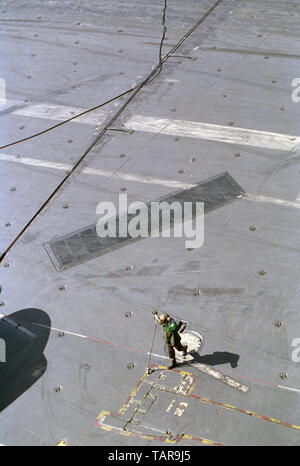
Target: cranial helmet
[163, 318]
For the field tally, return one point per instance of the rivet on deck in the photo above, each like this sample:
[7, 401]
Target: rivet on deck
[57, 389]
[279, 323]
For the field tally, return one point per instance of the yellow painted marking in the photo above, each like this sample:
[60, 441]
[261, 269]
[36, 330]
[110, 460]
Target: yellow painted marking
[103, 413]
[133, 393]
[207, 442]
[202, 440]
[190, 389]
[62, 443]
[122, 409]
[170, 441]
[275, 420]
[125, 432]
[250, 413]
[109, 429]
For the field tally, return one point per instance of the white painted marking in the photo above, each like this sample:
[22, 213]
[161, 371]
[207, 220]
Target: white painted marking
[157, 355]
[272, 200]
[139, 179]
[222, 377]
[95, 171]
[143, 179]
[289, 388]
[180, 409]
[218, 133]
[86, 337]
[60, 330]
[170, 406]
[60, 113]
[5, 104]
[182, 128]
[202, 367]
[34, 162]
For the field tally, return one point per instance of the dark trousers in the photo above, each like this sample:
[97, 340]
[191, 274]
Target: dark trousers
[176, 344]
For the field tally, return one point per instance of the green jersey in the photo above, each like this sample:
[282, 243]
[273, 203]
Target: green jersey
[170, 327]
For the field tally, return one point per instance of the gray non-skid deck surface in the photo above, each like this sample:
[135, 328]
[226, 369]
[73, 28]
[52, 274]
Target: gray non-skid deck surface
[57, 58]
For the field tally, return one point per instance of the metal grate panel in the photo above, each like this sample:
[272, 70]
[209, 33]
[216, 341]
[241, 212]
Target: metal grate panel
[83, 245]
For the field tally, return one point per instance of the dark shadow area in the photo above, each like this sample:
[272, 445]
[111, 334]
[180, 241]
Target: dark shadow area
[217, 358]
[25, 334]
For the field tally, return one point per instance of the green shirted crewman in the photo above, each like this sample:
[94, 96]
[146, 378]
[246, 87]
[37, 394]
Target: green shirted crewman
[172, 337]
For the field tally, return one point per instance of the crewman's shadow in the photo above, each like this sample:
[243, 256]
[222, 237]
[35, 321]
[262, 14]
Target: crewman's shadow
[216, 359]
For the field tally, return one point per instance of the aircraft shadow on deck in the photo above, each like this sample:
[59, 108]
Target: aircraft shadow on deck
[25, 334]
